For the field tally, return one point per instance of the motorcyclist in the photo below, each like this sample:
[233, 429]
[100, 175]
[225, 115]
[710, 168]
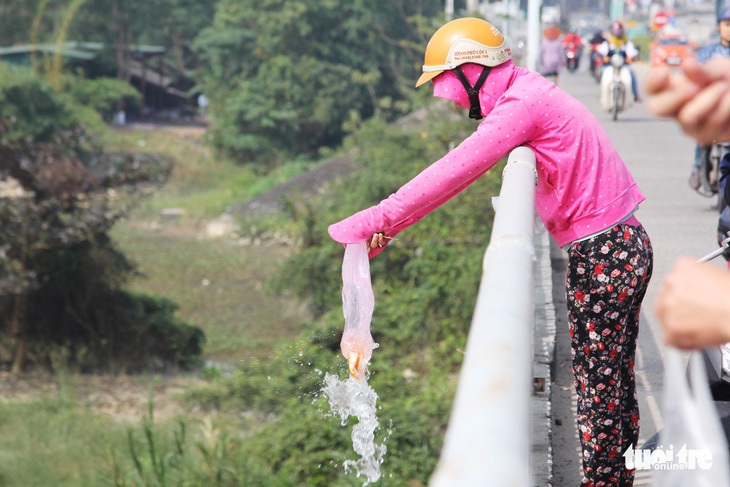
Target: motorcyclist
[573, 41]
[711, 51]
[618, 42]
[596, 59]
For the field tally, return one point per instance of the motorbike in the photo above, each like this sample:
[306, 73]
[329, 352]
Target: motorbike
[710, 158]
[572, 55]
[616, 93]
[596, 63]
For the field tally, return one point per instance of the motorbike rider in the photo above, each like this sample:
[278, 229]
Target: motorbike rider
[573, 41]
[586, 197]
[618, 42]
[596, 59]
[711, 51]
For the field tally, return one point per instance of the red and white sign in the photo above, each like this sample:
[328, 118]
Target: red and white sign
[660, 20]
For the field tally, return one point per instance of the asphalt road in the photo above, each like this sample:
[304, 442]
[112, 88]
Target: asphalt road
[679, 222]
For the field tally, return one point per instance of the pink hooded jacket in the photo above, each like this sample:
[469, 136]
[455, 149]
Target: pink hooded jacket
[583, 185]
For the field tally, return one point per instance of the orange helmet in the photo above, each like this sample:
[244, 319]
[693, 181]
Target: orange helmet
[467, 40]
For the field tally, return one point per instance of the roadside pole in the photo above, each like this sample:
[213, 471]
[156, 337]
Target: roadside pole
[533, 34]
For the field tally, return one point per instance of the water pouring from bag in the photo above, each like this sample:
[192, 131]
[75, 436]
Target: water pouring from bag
[354, 397]
[358, 303]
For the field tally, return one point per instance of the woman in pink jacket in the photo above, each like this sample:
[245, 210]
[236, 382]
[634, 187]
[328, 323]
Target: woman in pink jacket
[586, 198]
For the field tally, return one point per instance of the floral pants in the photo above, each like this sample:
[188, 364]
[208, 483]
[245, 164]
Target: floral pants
[606, 281]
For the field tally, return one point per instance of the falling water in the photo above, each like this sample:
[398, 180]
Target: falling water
[354, 397]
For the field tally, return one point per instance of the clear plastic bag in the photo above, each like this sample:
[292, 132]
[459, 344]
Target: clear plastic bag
[692, 446]
[358, 303]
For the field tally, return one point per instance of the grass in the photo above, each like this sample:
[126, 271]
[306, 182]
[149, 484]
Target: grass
[216, 282]
[218, 285]
[201, 183]
[49, 442]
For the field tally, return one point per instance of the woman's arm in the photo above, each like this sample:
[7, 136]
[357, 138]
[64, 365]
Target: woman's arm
[438, 183]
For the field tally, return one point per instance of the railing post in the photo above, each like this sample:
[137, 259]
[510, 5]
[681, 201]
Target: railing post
[487, 442]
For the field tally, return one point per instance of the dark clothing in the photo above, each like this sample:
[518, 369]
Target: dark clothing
[724, 173]
[606, 282]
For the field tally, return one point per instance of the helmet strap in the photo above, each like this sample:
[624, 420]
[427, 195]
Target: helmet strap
[475, 110]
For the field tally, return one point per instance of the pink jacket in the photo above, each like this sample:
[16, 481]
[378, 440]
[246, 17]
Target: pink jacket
[583, 185]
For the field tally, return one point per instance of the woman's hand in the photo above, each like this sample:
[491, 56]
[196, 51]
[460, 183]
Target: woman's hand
[378, 240]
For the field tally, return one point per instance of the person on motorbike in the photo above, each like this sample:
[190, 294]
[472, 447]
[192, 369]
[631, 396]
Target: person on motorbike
[618, 42]
[573, 42]
[596, 59]
[711, 51]
[586, 198]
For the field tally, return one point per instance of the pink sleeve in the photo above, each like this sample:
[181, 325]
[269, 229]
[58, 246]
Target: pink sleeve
[504, 129]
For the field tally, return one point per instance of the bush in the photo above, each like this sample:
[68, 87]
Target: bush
[39, 112]
[32, 104]
[61, 276]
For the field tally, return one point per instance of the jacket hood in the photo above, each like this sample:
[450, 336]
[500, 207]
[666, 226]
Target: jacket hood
[447, 85]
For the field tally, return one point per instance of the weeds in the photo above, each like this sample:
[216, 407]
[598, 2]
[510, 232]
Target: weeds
[158, 461]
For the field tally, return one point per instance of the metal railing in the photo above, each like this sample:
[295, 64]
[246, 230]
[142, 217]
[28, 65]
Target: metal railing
[487, 442]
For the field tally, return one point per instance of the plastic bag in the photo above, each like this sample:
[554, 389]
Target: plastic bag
[692, 447]
[358, 303]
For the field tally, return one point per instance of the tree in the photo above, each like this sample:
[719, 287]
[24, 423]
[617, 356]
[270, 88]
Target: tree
[124, 23]
[289, 76]
[56, 200]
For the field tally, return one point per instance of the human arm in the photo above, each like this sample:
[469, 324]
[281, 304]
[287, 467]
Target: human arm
[441, 181]
[699, 99]
[603, 49]
[693, 305]
[630, 52]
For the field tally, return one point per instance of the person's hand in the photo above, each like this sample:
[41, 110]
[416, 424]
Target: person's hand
[699, 99]
[693, 305]
[377, 240]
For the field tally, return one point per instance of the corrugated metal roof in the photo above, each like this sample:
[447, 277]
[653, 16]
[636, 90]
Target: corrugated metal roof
[77, 50]
[48, 49]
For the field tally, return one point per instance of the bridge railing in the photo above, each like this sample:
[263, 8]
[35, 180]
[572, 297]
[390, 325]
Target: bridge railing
[488, 438]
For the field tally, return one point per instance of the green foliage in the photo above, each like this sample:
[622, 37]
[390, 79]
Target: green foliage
[286, 77]
[31, 102]
[162, 455]
[146, 329]
[99, 95]
[40, 112]
[642, 43]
